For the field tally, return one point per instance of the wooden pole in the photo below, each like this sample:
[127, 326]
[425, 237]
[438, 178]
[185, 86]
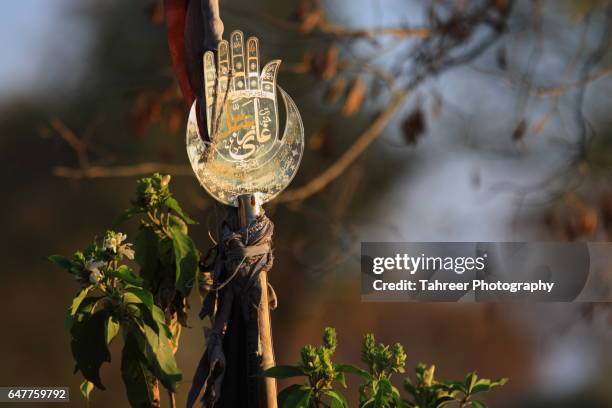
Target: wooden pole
[267, 387]
[249, 208]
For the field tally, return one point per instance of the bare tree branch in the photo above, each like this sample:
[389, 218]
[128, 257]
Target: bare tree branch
[335, 170]
[79, 146]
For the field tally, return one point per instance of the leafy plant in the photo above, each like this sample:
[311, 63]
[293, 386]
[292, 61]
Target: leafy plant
[167, 256]
[382, 362]
[147, 308]
[428, 392]
[377, 389]
[320, 374]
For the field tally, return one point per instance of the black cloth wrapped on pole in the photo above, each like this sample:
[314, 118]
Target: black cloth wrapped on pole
[228, 372]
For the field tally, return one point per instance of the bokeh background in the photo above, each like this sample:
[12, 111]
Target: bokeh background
[509, 142]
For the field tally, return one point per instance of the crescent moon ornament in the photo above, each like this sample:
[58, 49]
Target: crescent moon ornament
[244, 155]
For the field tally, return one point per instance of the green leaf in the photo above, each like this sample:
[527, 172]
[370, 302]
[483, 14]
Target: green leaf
[499, 382]
[156, 320]
[160, 356]
[341, 378]
[470, 381]
[82, 311]
[127, 275]
[456, 386]
[134, 294]
[89, 347]
[368, 404]
[112, 328]
[482, 385]
[86, 389]
[395, 392]
[165, 248]
[137, 378]
[174, 206]
[384, 394]
[186, 258]
[147, 255]
[282, 396]
[297, 398]
[155, 347]
[478, 404]
[175, 221]
[351, 369]
[61, 261]
[151, 313]
[77, 300]
[283, 371]
[337, 399]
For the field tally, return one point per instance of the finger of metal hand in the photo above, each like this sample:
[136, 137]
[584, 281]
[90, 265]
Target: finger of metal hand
[268, 76]
[210, 79]
[223, 68]
[252, 63]
[223, 65]
[237, 81]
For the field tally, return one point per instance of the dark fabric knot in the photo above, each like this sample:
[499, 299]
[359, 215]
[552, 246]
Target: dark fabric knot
[240, 255]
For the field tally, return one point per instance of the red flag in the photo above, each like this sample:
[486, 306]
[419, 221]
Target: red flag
[176, 17]
[187, 39]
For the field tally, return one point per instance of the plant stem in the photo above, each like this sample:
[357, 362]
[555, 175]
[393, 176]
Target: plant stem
[155, 391]
[172, 398]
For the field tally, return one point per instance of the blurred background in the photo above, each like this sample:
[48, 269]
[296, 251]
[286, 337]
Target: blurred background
[463, 121]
